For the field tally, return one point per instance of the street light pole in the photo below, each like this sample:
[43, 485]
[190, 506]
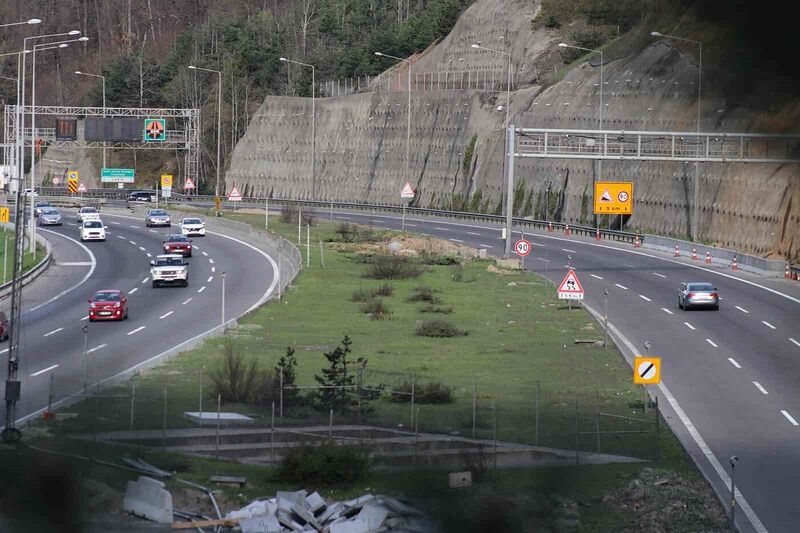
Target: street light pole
[103, 78]
[408, 111]
[219, 121]
[223, 302]
[313, 122]
[29, 21]
[599, 176]
[696, 210]
[734, 460]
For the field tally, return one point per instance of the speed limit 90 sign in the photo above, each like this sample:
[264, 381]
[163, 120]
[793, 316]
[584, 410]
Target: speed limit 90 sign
[522, 247]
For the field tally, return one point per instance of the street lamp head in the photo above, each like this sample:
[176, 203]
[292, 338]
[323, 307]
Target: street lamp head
[281, 59]
[378, 54]
[78, 72]
[83, 39]
[656, 34]
[563, 45]
[734, 460]
[74, 32]
[34, 21]
[63, 45]
[192, 67]
[475, 46]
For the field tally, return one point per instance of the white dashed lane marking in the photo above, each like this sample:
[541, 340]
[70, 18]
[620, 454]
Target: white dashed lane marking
[152, 231]
[691, 327]
[133, 290]
[645, 298]
[142, 248]
[137, 330]
[667, 311]
[473, 233]
[537, 244]
[209, 279]
[187, 301]
[789, 418]
[120, 237]
[201, 289]
[542, 259]
[43, 370]
[456, 240]
[52, 332]
[134, 227]
[712, 343]
[659, 275]
[794, 341]
[213, 269]
[596, 276]
[204, 253]
[443, 229]
[145, 280]
[133, 243]
[210, 260]
[149, 254]
[770, 326]
[734, 363]
[412, 225]
[759, 387]
[742, 309]
[484, 246]
[569, 251]
[165, 315]
[623, 287]
[96, 348]
[85, 318]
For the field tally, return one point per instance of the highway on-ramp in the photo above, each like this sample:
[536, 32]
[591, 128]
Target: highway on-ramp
[55, 306]
[730, 376]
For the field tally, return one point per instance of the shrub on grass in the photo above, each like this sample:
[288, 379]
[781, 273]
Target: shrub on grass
[289, 213]
[432, 258]
[439, 328]
[326, 463]
[376, 309]
[347, 232]
[237, 378]
[440, 309]
[424, 294]
[384, 290]
[361, 295]
[393, 267]
[433, 392]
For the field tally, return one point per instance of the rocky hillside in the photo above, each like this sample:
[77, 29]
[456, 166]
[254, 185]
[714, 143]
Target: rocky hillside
[458, 115]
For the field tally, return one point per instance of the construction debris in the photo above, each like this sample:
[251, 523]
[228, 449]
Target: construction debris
[301, 511]
[146, 497]
[229, 480]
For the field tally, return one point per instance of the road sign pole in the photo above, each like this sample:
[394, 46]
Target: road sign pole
[509, 189]
[403, 227]
[605, 319]
[266, 213]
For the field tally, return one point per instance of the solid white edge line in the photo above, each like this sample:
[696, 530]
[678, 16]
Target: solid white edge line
[759, 387]
[81, 282]
[722, 494]
[667, 311]
[712, 343]
[770, 326]
[789, 418]
[42, 371]
[162, 317]
[734, 363]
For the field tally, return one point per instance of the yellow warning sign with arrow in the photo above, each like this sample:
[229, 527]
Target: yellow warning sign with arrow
[613, 198]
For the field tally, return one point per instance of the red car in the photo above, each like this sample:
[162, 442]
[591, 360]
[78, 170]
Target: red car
[108, 305]
[178, 244]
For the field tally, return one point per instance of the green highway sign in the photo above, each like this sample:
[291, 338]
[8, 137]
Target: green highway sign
[117, 175]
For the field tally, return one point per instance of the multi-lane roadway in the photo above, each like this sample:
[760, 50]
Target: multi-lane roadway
[56, 305]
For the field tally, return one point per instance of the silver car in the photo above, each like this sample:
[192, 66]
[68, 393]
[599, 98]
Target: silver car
[157, 217]
[49, 216]
[698, 294]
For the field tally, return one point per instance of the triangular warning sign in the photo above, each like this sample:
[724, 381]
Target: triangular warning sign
[188, 184]
[407, 192]
[571, 284]
[606, 197]
[234, 195]
[81, 187]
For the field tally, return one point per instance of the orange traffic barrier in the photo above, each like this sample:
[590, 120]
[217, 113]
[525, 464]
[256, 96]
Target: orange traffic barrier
[550, 226]
[708, 258]
[566, 230]
[637, 243]
[734, 265]
[787, 272]
[694, 254]
[677, 252]
[597, 234]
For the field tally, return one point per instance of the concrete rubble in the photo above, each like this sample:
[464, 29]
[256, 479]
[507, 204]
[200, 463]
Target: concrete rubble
[301, 511]
[147, 497]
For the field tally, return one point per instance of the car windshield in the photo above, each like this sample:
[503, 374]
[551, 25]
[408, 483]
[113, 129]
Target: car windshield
[106, 297]
[701, 287]
[93, 224]
[177, 238]
[49, 211]
[88, 210]
[169, 261]
[191, 221]
[42, 204]
[158, 213]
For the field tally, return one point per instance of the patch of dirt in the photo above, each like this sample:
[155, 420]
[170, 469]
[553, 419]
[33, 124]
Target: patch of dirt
[662, 500]
[411, 245]
[196, 501]
[503, 272]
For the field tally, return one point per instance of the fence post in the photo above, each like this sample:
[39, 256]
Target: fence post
[577, 454]
[219, 407]
[299, 226]
[416, 436]
[133, 401]
[321, 255]
[281, 398]
[331, 210]
[330, 424]
[413, 394]
[200, 401]
[658, 429]
[50, 395]
[164, 421]
[597, 417]
[494, 432]
[272, 436]
[538, 397]
[474, 404]
[358, 388]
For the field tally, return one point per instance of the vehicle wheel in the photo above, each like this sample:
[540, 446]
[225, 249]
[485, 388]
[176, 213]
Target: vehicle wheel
[189, 254]
[716, 307]
[126, 315]
[185, 283]
[91, 319]
[155, 285]
[680, 305]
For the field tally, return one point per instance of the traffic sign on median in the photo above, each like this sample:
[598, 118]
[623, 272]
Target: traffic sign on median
[234, 195]
[81, 187]
[570, 288]
[408, 191]
[612, 197]
[5, 214]
[647, 370]
[522, 247]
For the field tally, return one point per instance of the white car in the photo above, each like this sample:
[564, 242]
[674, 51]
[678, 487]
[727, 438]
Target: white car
[93, 230]
[193, 226]
[29, 192]
[169, 269]
[87, 213]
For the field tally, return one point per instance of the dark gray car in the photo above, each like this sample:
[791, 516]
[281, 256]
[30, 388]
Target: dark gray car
[696, 295]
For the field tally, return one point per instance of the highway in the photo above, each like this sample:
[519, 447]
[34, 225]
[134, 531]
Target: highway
[55, 306]
[729, 376]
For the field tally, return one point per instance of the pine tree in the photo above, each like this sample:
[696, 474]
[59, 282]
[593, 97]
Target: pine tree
[286, 367]
[339, 379]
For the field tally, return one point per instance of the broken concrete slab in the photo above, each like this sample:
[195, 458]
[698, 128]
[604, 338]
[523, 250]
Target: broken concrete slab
[260, 524]
[460, 479]
[355, 525]
[285, 518]
[331, 513]
[287, 500]
[209, 418]
[315, 502]
[254, 509]
[306, 517]
[374, 514]
[146, 497]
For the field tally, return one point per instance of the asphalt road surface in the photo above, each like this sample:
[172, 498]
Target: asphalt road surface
[55, 306]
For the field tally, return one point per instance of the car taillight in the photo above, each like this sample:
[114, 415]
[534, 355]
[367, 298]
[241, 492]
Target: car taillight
[714, 295]
[691, 295]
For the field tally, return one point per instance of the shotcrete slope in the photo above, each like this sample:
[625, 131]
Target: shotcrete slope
[361, 138]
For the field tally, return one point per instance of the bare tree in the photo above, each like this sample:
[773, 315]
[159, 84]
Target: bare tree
[306, 18]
